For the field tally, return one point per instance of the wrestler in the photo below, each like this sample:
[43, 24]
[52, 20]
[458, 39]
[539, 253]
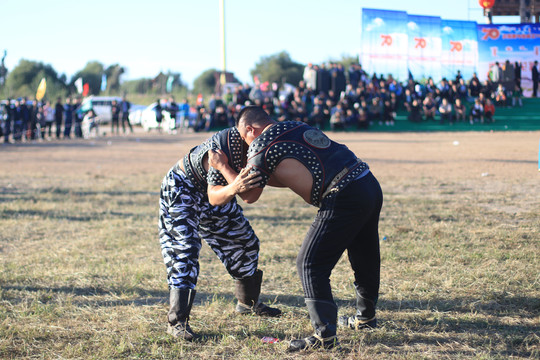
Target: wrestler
[186, 217]
[327, 175]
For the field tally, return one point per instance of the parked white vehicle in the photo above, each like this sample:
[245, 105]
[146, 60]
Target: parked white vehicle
[148, 119]
[102, 106]
[135, 112]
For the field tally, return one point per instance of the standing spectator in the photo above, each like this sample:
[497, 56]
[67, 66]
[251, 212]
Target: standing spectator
[48, 114]
[310, 77]
[323, 80]
[445, 110]
[17, 121]
[460, 111]
[535, 78]
[26, 115]
[115, 117]
[159, 115]
[508, 75]
[495, 73]
[34, 130]
[126, 105]
[78, 117]
[58, 116]
[338, 79]
[184, 115]
[354, 76]
[68, 118]
[40, 121]
[517, 72]
[9, 107]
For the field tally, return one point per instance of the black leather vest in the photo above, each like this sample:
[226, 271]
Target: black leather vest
[332, 165]
[230, 142]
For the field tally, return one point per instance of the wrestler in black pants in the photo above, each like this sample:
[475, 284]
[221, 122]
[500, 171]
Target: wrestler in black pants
[348, 221]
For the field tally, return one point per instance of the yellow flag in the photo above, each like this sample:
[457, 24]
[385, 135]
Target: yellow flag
[42, 87]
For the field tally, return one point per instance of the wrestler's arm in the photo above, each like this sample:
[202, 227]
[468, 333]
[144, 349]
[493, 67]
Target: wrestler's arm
[245, 185]
[242, 184]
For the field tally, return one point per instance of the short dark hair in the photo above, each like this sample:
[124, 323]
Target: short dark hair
[253, 115]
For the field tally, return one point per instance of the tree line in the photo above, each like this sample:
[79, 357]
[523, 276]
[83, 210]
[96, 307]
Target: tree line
[23, 79]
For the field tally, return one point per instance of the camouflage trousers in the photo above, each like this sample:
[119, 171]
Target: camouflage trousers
[186, 217]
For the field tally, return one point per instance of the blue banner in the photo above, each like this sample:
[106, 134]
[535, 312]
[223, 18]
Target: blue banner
[515, 43]
[459, 48]
[384, 42]
[424, 50]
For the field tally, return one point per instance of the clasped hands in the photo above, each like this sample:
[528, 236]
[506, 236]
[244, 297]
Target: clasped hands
[244, 181]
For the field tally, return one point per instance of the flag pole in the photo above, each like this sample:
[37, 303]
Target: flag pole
[222, 78]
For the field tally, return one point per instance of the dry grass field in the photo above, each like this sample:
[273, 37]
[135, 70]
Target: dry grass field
[81, 273]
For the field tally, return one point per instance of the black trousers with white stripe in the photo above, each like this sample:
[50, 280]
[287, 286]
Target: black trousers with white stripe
[348, 220]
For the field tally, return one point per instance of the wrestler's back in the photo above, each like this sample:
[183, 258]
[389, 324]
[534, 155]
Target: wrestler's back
[293, 174]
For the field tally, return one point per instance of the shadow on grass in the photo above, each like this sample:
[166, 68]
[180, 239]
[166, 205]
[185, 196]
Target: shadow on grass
[498, 306]
[46, 214]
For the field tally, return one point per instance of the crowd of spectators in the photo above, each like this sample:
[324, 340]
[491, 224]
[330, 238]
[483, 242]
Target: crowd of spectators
[28, 120]
[331, 97]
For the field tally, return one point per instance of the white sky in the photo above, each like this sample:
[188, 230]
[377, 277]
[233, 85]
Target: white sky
[184, 36]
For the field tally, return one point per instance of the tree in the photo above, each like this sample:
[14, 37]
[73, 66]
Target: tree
[113, 74]
[23, 80]
[279, 68]
[91, 75]
[205, 83]
[347, 60]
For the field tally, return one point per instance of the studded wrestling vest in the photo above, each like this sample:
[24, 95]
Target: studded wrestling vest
[230, 142]
[332, 165]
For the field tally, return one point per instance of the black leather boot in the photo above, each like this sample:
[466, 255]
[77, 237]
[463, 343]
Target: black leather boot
[365, 314]
[323, 315]
[247, 292]
[181, 301]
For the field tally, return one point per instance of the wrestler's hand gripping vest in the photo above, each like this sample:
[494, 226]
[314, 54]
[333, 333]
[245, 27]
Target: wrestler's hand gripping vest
[228, 140]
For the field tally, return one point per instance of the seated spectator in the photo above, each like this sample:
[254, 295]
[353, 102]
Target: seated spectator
[429, 107]
[460, 112]
[89, 123]
[363, 122]
[337, 122]
[408, 99]
[474, 88]
[375, 111]
[316, 119]
[477, 112]
[351, 117]
[517, 94]
[489, 111]
[388, 113]
[500, 96]
[445, 110]
[462, 91]
[415, 114]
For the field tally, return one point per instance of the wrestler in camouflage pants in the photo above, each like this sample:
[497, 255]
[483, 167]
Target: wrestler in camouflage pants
[186, 217]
